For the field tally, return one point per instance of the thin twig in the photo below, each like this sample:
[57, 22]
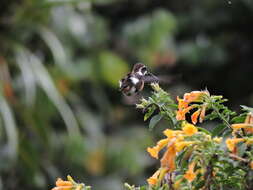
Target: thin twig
[239, 158]
[209, 174]
[208, 177]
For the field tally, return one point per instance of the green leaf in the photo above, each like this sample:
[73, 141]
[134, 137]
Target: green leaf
[154, 121]
[239, 119]
[204, 130]
[217, 130]
[175, 106]
[149, 113]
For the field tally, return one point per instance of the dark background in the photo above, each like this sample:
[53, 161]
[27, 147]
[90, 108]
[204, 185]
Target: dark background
[60, 62]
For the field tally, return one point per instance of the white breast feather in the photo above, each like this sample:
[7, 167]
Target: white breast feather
[140, 73]
[134, 80]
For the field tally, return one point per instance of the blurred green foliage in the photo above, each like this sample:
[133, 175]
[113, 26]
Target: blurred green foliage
[60, 60]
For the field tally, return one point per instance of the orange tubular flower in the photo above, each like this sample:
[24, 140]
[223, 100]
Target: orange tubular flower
[246, 126]
[181, 113]
[183, 105]
[63, 185]
[60, 182]
[195, 96]
[168, 159]
[154, 178]
[189, 129]
[171, 133]
[190, 175]
[231, 143]
[155, 150]
[195, 116]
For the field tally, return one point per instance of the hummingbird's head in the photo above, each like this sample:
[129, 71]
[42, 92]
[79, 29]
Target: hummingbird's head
[140, 69]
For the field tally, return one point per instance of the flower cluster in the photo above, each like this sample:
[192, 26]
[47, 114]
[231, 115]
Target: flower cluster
[69, 184]
[191, 157]
[178, 141]
[194, 99]
[63, 185]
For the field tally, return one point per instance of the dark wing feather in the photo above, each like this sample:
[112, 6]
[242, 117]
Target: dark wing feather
[149, 78]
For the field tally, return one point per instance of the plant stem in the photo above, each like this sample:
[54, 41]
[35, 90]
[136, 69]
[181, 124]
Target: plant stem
[223, 119]
[221, 116]
[238, 158]
[208, 175]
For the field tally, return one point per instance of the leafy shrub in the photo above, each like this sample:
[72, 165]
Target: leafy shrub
[193, 157]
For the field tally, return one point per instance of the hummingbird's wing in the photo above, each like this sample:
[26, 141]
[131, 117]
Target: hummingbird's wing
[149, 78]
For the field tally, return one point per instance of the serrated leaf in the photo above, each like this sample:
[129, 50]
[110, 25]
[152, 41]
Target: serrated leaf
[154, 120]
[239, 119]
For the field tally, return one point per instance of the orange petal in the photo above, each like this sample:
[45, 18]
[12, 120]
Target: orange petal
[154, 178]
[171, 133]
[195, 96]
[195, 116]
[60, 182]
[249, 130]
[162, 143]
[153, 151]
[189, 129]
[231, 143]
[63, 188]
[168, 159]
[181, 103]
[190, 175]
[180, 115]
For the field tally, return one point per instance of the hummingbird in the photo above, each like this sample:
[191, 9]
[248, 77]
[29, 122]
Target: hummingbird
[134, 81]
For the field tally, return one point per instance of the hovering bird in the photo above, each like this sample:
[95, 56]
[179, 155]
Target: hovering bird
[134, 81]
